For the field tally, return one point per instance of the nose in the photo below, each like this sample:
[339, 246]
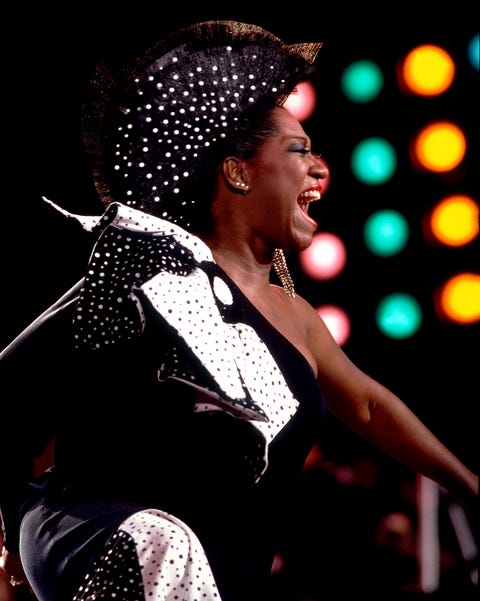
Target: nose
[320, 168]
[321, 171]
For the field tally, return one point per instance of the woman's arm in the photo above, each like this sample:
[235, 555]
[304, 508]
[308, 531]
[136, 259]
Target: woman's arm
[382, 418]
[34, 383]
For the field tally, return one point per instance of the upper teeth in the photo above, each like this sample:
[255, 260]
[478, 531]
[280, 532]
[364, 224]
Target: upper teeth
[311, 195]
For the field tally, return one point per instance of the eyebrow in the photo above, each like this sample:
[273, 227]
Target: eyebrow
[304, 139]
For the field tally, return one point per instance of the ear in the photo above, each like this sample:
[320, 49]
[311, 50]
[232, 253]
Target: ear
[236, 175]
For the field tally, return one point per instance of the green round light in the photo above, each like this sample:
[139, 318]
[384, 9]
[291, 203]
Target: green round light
[474, 51]
[386, 232]
[362, 81]
[373, 161]
[398, 315]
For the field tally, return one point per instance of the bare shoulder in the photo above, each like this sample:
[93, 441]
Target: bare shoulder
[320, 341]
[306, 311]
[298, 310]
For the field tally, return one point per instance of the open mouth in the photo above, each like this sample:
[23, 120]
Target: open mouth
[306, 198]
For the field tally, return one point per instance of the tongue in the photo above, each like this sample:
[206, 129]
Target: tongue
[304, 208]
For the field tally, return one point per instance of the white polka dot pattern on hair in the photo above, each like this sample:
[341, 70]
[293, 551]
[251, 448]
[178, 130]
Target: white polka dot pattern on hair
[179, 103]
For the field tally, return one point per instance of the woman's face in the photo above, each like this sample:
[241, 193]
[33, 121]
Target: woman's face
[284, 177]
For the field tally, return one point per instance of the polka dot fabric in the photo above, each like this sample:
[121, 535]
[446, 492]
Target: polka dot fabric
[142, 260]
[152, 556]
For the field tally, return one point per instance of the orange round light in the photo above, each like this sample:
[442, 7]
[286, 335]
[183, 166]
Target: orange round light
[439, 147]
[428, 70]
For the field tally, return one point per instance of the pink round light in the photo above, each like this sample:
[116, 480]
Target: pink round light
[337, 322]
[325, 258]
[302, 101]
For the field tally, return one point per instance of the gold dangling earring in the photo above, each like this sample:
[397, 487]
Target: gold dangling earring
[281, 269]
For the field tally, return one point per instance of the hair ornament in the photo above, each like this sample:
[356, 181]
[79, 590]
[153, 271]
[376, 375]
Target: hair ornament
[148, 129]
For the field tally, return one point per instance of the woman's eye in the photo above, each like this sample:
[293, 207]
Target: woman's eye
[301, 149]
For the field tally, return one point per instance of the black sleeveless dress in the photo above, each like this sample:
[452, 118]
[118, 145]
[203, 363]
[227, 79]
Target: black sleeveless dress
[134, 430]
